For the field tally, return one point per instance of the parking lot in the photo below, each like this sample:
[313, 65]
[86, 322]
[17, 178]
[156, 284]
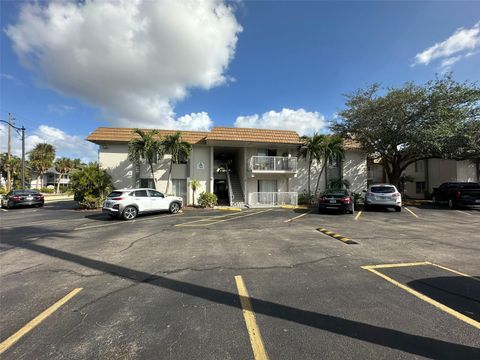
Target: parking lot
[254, 284]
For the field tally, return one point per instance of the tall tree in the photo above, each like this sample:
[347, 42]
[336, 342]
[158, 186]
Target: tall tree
[63, 166]
[331, 150]
[176, 147]
[12, 165]
[402, 125]
[146, 146]
[41, 159]
[311, 150]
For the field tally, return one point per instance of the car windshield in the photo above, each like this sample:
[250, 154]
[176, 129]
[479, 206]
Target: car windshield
[115, 194]
[382, 189]
[336, 192]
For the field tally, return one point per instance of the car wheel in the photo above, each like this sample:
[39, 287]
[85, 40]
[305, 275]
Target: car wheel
[398, 208]
[10, 205]
[451, 204]
[130, 213]
[174, 207]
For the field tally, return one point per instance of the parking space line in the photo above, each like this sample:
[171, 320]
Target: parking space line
[358, 215]
[425, 298]
[410, 211]
[456, 272]
[6, 344]
[463, 212]
[256, 340]
[299, 216]
[214, 220]
[113, 222]
[386, 266]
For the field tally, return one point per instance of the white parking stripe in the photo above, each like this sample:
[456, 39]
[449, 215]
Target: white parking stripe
[463, 212]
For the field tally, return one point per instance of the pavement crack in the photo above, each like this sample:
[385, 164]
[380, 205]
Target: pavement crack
[21, 270]
[140, 239]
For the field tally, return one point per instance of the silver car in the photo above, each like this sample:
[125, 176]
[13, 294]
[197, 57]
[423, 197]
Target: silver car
[128, 203]
[384, 195]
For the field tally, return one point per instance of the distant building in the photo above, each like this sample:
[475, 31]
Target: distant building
[50, 177]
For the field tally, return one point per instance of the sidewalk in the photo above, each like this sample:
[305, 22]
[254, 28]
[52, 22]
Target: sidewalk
[59, 197]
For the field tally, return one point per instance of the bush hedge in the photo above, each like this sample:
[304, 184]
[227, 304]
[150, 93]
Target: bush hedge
[207, 199]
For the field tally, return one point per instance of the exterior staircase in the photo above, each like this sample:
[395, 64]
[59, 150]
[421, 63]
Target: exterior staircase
[238, 198]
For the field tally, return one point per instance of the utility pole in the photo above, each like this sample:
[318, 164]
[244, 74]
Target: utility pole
[9, 153]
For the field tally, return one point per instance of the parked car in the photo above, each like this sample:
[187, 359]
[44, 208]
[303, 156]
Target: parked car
[128, 203]
[383, 195]
[16, 198]
[336, 199]
[457, 194]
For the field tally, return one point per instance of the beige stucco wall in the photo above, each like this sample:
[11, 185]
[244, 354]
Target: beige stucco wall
[200, 154]
[114, 159]
[355, 170]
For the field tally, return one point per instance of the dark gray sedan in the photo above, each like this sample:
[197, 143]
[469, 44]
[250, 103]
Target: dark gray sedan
[17, 198]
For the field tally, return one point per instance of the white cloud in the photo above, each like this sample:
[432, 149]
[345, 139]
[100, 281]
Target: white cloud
[301, 121]
[463, 43]
[67, 145]
[132, 58]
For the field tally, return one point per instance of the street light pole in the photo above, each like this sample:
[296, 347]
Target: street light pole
[22, 129]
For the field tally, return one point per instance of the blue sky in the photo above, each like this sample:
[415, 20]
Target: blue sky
[273, 64]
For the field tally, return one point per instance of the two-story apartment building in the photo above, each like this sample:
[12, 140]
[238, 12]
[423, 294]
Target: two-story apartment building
[253, 167]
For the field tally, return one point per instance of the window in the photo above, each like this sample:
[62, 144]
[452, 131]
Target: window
[382, 189]
[146, 183]
[419, 166]
[141, 193]
[182, 159]
[156, 194]
[420, 187]
[179, 187]
[267, 185]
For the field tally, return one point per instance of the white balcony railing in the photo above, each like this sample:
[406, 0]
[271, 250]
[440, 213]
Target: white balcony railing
[257, 199]
[272, 164]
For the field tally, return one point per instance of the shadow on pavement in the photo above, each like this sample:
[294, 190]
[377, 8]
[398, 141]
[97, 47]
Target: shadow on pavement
[460, 293]
[395, 339]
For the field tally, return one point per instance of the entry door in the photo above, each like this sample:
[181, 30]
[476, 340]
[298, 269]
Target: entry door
[142, 200]
[267, 185]
[158, 200]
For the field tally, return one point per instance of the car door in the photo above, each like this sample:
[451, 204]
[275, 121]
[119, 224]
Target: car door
[141, 198]
[159, 202]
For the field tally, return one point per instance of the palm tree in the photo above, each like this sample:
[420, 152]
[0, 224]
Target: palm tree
[194, 185]
[311, 150]
[146, 146]
[41, 159]
[176, 147]
[63, 166]
[331, 150]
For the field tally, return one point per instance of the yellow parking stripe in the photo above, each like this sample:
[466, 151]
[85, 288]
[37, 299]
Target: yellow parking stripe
[385, 266]
[256, 340]
[214, 220]
[298, 217]
[410, 211]
[358, 215]
[427, 299]
[6, 344]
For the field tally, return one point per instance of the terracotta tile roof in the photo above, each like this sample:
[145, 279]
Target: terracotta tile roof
[254, 135]
[106, 134]
[103, 134]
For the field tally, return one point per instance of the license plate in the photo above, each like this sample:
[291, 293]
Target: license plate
[29, 198]
[332, 201]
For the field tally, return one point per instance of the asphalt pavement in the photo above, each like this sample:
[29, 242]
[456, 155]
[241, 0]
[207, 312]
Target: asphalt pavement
[255, 284]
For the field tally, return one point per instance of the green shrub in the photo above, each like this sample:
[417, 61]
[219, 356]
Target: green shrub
[46, 190]
[89, 202]
[206, 199]
[90, 185]
[305, 198]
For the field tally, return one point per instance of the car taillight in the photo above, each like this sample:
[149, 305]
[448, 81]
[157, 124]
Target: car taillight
[15, 198]
[346, 200]
[395, 195]
[458, 194]
[322, 199]
[117, 198]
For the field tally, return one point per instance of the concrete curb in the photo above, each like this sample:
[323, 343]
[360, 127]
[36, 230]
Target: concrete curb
[227, 208]
[304, 207]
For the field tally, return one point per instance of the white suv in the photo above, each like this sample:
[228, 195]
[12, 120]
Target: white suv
[128, 203]
[385, 195]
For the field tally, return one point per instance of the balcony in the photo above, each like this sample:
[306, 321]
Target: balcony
[272, 164]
